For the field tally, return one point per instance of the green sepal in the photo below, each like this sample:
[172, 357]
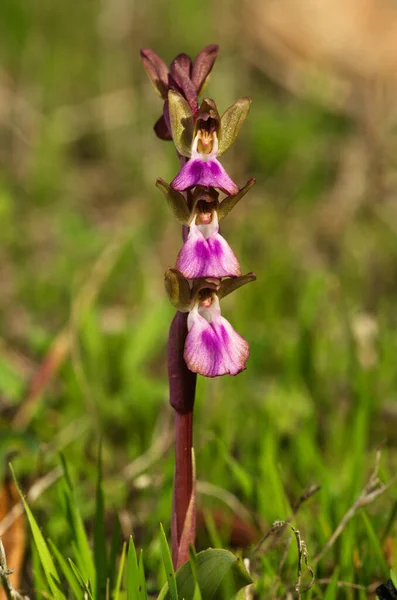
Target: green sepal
[176, 201]
[231, 122]
[229, 285]
[181, 119]
[178, 290]
[230, 202]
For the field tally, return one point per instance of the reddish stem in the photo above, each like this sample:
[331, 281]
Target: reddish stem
[182, 486]
[182, 392]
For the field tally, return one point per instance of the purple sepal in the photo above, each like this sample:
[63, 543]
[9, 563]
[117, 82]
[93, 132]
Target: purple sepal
[214, 349]
[161, 129]
[211, 257]
[207, 173]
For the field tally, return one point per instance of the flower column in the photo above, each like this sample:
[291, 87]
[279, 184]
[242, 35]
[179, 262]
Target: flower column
[201, 340]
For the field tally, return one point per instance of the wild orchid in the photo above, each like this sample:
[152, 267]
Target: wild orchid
[205, 252]
[201, 341]
[202, 139]
[212, 346]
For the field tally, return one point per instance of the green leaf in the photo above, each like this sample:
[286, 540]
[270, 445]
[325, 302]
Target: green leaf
[231, 122]
[220, 576]
[68, 572]
[132, 573]
[42, 548]
[117, 588]
[168, 566]
[181, 120]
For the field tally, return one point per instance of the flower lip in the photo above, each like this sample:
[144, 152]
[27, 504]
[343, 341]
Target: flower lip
[212, 346]
[205, 252]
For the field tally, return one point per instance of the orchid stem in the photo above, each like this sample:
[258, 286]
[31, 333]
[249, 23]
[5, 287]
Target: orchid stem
[182, 393]
[183, 487]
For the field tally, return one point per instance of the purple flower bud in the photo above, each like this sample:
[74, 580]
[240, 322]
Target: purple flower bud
[184, 77]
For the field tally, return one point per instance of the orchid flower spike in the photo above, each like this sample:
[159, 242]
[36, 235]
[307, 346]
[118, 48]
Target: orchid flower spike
[185, 76]
[212, 346]
[202, 139]
[205, 253]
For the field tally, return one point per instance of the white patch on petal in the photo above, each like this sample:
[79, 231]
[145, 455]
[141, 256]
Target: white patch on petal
[208, 229]
[205, 157]
[193, 316]
[212, 313]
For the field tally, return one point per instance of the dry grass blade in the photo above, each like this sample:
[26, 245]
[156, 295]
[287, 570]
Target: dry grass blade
[303, 556]
[35, 491]
[373, 488]
[306, 495]
[8, 590]
[14, 539]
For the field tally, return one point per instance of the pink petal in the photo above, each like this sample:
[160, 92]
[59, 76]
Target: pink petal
[206, 173]
[214, 349]
[212, 257]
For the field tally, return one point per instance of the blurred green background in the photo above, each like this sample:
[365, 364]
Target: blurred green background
[85, 238]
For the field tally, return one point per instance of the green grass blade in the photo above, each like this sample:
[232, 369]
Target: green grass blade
[68, 572]
[194, 567]
[42, 548]
[114, 550]
[168, 566]
[393, 577]
[116, 593]
[39, 579]
[215, 540]
[375, 543]
[142, 592]
[85, 563]
[86, 587]
[100, 556]
[331, 593]
[132, 572]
